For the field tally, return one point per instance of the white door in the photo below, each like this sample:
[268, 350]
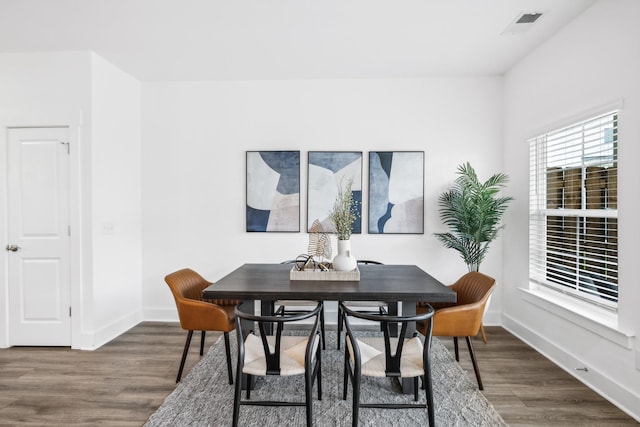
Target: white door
[38, 231]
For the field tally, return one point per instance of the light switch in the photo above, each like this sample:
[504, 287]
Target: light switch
[108, 228]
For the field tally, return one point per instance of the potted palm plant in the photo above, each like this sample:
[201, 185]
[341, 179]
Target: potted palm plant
[472, 210]
[343, 215]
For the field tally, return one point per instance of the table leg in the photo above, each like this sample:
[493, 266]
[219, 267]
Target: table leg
[392, 307]
[408, 309]
[247, 326]
[266, 309]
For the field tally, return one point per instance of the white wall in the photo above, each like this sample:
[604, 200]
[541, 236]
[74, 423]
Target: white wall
[191, 184]
[195, 136]
[50, 89]
[116, 205]
[101, 105]
[593, 62]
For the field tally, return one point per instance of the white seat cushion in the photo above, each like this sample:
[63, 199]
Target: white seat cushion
[373, 358]
[297, 303]
[292, 352]
[365, 304]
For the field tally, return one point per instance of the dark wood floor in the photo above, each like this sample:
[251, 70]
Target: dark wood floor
[529, 390]
[125, 381]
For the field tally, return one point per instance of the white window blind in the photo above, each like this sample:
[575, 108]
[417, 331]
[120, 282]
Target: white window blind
[573, 209]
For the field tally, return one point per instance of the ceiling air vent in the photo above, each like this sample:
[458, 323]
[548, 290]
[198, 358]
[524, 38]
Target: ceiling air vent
[528, 18]
[522, 23]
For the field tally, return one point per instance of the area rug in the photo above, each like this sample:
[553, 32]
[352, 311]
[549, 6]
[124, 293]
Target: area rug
[205, 398]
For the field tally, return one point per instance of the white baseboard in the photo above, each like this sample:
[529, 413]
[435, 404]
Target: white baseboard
[492, 318]
[160, 315]
[618, 395]
[110, 331]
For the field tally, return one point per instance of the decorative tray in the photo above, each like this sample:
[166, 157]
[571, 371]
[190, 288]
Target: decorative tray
[347, 276]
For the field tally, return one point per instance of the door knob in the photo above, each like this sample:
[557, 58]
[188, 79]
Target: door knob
[13, 248]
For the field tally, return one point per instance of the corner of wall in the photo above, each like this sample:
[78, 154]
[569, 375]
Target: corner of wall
[111, 331]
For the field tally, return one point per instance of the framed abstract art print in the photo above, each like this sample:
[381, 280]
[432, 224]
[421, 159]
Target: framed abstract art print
[396, 192]
[273, 191]
[329, 171]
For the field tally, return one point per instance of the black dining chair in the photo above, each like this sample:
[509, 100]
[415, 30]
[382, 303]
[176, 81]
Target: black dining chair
[385, 356]
[278, 355]
[372, 307]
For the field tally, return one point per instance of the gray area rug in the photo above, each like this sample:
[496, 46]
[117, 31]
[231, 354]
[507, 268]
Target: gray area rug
[204, 397]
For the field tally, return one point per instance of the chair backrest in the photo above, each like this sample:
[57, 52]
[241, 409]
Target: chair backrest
[186, 284]
[473, 288]
[393, 346]
[369, 262]
[272, 350]
[465, 317]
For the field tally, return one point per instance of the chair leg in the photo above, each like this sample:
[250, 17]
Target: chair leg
[184, 355]
[346, 375]
[319, 375]
[427, 379]
[324, 347]
[237, 395]
[428, 386]
[202, 343]
[475, 363]
[248, 386]
[356, 398]
[416, 386]
[455, 348]
[339, 325]
[308, 396]
[484, 336]
[227, 347]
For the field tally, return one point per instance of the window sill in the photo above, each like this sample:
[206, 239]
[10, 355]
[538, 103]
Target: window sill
[598, 320]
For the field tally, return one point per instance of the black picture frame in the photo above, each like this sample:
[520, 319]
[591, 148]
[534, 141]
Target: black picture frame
[396, 192]
[328, 171]
[273, 191]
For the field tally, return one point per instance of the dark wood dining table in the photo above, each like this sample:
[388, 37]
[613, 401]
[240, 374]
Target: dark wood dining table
[391, 283]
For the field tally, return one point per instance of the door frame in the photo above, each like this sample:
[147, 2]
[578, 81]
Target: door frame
[79, 299]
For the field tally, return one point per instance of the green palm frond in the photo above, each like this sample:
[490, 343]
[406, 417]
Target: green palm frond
[472, 212]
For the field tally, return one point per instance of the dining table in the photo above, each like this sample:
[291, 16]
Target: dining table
[392, 283]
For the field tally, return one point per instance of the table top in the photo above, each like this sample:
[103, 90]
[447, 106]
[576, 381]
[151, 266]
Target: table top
[377, 282]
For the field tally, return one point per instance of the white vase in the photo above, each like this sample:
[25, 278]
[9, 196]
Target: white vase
[344, 261]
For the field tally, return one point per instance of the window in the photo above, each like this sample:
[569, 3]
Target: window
[573, 209]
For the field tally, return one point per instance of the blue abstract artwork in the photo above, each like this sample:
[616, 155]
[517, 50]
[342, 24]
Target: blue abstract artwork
[396, 192]
[273, 191]
[329, 171]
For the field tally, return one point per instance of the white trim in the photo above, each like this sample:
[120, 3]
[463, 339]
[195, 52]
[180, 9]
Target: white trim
[114, 329]
[588, 213]
[620, 396]
[71, 119]
[616, 104]
[492, 318]
[160, 314]
[571, 255]
[4, 232]
[596, 319]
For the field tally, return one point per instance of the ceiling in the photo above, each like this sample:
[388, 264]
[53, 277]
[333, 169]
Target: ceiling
[185, 40]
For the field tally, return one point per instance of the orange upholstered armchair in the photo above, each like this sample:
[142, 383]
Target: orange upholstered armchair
[198, 315]
[463, 318]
